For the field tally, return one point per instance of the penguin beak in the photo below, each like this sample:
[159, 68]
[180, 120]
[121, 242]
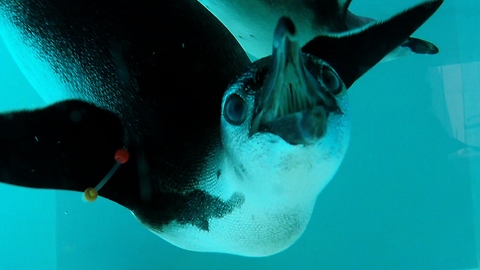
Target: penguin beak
[291, 102]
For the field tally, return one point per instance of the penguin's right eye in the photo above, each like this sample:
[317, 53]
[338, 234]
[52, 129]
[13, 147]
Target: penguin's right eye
[235, 110]
[331, 81]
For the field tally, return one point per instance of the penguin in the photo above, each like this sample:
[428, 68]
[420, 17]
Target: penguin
[252, 22]
[163, 114]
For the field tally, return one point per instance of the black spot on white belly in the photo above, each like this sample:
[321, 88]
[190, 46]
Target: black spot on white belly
[196, 208]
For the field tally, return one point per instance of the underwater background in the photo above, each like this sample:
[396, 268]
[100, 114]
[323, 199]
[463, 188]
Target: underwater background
[407, 195]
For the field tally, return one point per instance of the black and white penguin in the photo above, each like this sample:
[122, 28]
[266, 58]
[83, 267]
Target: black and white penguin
[253, 21]
[138, 87]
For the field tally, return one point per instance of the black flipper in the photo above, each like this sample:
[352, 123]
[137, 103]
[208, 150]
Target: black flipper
[71, 145]
[353, 55]
[68, 145]
[420, 46]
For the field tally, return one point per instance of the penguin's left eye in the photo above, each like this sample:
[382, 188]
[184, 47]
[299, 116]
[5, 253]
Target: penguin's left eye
[331, 81]
[235, 110]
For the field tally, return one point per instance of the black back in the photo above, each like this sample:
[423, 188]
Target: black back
[155, 72]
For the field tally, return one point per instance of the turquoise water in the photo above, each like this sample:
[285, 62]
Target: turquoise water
[406, 196]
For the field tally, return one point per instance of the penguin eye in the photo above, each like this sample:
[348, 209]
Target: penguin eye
[235, 110]
[331, 81]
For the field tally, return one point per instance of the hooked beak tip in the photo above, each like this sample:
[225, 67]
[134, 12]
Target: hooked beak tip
[284, 32]
[290, 103]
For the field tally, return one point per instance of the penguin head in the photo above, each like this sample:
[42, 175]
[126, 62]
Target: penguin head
[285, 125]
[289, 94]
[286, 122]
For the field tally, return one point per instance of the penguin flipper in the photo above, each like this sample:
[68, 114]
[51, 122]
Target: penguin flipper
[351, 55]
[69, 145]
